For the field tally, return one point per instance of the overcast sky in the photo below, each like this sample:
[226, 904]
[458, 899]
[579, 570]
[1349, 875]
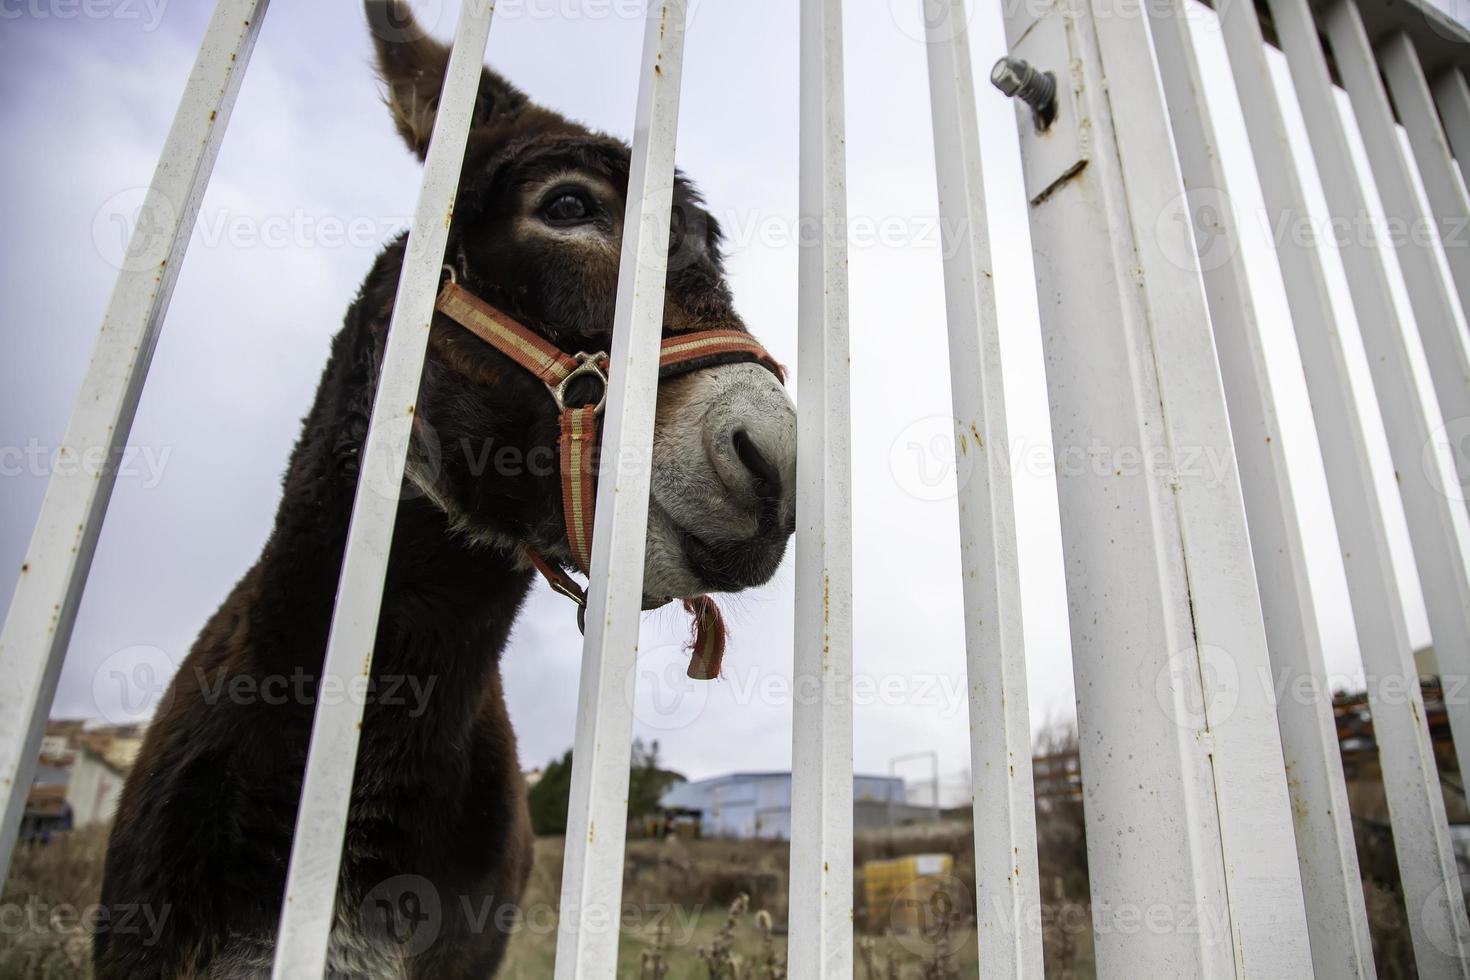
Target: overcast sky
[312, 180]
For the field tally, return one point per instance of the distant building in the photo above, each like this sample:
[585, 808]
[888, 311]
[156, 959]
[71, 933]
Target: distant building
[79, 776]
[46, 809]
[1361, 766]
[97, 778]
[758, 804]
[954, 791]
[56, 744]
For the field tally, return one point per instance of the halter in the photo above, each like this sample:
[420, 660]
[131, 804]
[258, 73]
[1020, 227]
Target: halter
[581, 430]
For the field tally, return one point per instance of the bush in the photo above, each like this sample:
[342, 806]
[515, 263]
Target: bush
[550, 797]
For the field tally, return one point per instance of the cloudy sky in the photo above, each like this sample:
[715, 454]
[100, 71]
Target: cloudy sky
[312, 180]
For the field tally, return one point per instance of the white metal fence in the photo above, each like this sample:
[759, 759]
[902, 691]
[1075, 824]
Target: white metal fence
[1219, 822]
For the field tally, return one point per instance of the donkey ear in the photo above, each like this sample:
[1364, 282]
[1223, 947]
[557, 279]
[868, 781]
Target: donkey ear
[412, 66]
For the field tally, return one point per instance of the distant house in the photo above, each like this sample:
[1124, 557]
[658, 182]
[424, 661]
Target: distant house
[56, 744]
[97, 776]
[758, 804]
[46, 809]
[1362, 768]
[79, 776]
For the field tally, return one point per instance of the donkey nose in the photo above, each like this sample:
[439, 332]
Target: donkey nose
[754, 453]
[766, 477]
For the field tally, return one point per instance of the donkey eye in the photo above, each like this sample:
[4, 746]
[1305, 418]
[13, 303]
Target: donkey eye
[567, 208]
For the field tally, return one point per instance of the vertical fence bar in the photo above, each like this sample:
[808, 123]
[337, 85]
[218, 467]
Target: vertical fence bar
[821, 756]
[1006, 887]
[1421, 836]
[592, 876]
[1337, 918]
[1449, 210]
[1452, 95]
[1186, 799]
[54, 570]
[316, 851]
[1445, 344]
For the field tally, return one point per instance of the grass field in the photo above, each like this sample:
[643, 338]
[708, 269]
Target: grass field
[42, 936]
[686, 889]
[677, 922]
[677, 900]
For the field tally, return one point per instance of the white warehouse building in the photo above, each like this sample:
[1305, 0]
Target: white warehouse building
[758, 804]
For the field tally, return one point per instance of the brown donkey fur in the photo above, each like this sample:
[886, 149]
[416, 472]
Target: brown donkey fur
[438, 844]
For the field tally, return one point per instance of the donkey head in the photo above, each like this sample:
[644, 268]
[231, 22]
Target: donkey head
[537, 232]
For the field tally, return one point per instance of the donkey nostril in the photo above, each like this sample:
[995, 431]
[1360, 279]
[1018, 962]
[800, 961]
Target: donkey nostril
[749, 442]
[767, 477]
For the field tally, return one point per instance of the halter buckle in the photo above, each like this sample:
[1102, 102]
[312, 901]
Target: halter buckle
[588, 365]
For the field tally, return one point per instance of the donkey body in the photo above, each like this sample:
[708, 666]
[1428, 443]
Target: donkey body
[438, 842]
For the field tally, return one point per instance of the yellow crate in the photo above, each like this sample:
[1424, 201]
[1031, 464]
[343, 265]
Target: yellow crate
[901, 891]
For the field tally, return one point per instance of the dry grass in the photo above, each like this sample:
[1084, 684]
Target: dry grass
[679, 911]
[711, 910]
[684, 916]
[688, 905]
[44, 907]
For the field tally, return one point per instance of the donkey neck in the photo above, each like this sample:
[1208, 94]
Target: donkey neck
[444, 620]
[447, 606]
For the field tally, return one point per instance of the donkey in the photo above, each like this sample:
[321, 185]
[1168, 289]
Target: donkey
[438, 841]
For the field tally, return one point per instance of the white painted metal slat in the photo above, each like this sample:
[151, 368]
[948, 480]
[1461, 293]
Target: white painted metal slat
[1378, 605]
[1445, 344]
[1452, 95]
[1426, 861]
[821, 758]
[1327, 856]
[54, 570]
[1224, 627]
[1449, 209]
[1186, 797]
[592, 877]
[1006, 886]
[307, 911]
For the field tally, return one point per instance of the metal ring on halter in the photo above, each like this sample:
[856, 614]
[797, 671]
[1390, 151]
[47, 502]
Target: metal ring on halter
[452, 276]
[588, 365]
